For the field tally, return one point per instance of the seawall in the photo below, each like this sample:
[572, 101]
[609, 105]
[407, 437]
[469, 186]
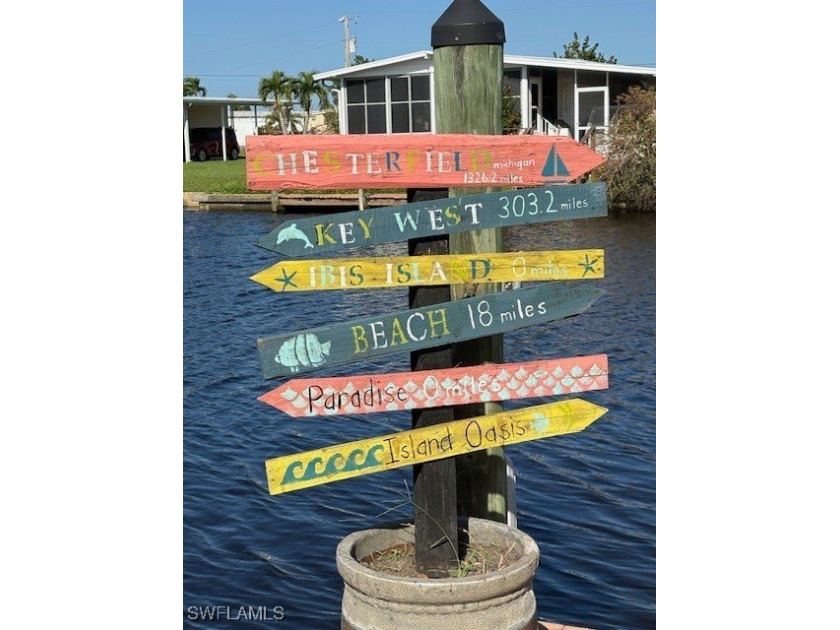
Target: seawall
[259, 202]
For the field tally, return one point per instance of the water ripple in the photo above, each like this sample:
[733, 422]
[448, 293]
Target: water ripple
[588, 499]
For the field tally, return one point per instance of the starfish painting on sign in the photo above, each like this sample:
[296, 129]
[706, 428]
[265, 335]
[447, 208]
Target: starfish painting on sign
[409, 271]
[558, 293]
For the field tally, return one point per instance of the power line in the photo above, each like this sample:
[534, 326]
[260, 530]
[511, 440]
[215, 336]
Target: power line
[521, 8]
[256, 41]
[202, 74]
[302, 52]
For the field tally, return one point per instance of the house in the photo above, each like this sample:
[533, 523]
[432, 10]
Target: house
[206, 111]
[554, 96]
[245, 115]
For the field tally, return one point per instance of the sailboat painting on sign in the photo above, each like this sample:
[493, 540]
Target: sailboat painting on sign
[554, 167]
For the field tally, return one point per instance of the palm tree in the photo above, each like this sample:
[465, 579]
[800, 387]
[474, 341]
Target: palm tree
[284, 118]
[279, 87]
[192, 87]
[239, 108]
[308, 88]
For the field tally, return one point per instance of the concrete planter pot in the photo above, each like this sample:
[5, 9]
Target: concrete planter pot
[500, 600]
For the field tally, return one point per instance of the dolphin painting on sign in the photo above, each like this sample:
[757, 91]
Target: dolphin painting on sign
[292, 233]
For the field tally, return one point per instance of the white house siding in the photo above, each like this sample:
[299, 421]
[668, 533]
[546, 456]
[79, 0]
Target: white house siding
[244, 125]
[412, 66]
[206, 115]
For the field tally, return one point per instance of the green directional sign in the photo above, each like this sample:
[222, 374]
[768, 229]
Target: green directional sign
[415, 329]
[310, 236]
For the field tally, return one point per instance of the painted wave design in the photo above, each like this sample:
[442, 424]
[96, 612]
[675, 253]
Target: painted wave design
[336, 464]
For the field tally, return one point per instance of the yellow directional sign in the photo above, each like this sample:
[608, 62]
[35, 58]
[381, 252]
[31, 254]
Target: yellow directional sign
[377, 273]
[364, 457]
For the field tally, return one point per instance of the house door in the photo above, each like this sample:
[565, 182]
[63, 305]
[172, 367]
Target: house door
[535, 101]
[593, 109]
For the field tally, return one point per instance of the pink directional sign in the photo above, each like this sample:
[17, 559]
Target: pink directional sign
[439, 388]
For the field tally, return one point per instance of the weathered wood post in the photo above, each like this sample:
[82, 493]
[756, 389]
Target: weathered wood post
[435, 513]
[468, 43]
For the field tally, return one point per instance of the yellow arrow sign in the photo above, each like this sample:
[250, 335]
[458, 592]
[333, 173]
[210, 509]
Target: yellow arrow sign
[364, 457]
[377, 273]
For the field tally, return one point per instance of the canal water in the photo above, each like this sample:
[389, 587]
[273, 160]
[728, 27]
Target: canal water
[589, 499]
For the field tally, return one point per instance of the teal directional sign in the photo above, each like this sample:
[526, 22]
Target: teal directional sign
[337, 232]
[415, 329]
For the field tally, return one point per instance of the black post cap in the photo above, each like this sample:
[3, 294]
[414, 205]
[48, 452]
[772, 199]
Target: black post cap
[467, 22]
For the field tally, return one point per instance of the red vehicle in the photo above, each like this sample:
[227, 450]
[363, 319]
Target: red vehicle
[206, 142]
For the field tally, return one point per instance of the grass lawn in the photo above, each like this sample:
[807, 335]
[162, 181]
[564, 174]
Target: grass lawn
[215, 176]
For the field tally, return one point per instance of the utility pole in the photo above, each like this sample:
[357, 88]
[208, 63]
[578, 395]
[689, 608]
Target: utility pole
[349, 42]
[350, 47]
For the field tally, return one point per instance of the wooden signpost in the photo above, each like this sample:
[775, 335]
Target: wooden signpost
[364, 457]
[419, 328]
[433, 483]
[452, 299]
[439, 388]
[394, 272]
[311, 236]
[469, 75]
[413, 161]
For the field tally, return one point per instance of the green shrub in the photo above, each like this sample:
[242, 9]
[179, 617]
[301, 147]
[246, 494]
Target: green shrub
[630, 170]
[511, 116]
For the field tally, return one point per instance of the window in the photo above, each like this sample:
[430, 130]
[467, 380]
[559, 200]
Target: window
[366, 106]
[411, 107]
[591, 109]
[586, 78]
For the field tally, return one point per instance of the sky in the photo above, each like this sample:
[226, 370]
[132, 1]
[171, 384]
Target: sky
[230, 46]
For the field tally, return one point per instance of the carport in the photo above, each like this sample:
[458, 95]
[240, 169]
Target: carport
[206, 111]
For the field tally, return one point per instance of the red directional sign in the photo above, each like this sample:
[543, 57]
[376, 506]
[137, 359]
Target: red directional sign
[414, 161]
[439, 388]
